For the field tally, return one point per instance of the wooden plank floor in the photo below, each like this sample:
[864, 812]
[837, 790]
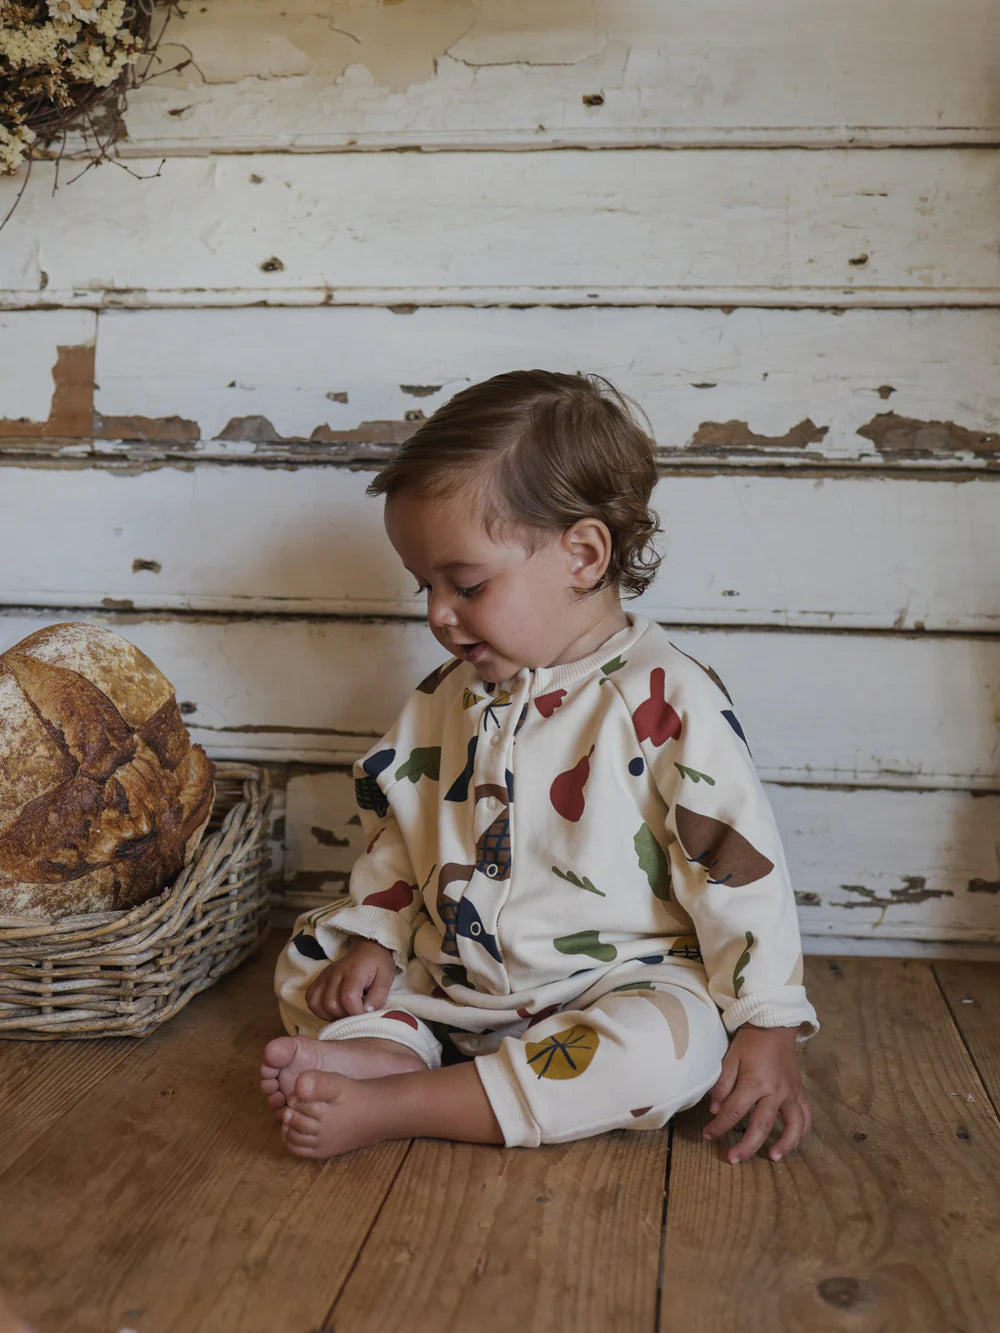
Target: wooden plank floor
[144, 1187]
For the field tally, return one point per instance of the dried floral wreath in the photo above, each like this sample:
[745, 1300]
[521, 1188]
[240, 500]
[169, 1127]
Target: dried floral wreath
[67, 65]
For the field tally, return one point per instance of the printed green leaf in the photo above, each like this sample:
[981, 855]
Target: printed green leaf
[587, 942]
[744, 958]
[653, 862]
[693, 774]
[636, 985]
[580, 883]
[425, 761]
[611, 667]
[454, 974]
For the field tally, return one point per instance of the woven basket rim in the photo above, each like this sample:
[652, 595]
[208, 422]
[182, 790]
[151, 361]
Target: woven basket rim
[95, 924]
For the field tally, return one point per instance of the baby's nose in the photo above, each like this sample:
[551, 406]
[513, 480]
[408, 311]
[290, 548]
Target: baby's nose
[440, 611]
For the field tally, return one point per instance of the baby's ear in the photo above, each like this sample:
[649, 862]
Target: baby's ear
[587, 545]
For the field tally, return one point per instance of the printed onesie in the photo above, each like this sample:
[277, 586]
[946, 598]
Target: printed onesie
[581, 884]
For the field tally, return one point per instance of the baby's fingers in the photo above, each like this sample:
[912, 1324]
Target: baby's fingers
[796, 1120]
[741, 1100]
[761, 1124]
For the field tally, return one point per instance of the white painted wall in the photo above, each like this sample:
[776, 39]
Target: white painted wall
[773, 224]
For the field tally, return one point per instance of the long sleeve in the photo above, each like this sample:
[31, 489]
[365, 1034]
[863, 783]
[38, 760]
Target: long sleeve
[385, 902]
[727, 865]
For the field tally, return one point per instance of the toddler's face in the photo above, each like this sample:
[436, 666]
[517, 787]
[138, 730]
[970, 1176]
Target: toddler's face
[501, 607]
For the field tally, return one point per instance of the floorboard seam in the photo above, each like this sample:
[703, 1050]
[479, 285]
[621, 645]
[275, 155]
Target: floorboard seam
[663, 1228]
[328, 1325]
[968, 1049]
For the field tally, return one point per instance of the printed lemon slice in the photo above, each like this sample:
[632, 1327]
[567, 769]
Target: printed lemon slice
[565, 1054]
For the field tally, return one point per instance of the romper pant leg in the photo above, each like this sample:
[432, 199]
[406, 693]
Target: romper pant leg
[293, 975]
[642, 1044]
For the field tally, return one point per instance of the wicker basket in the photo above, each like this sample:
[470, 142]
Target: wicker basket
[109, 974]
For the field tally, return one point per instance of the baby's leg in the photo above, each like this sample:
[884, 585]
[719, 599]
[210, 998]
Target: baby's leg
[629, 1058]
[329, 1114]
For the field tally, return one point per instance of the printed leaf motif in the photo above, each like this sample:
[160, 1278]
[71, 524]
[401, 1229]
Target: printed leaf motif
[454, 974]
[581, 882]
[565, 1054]
[469, 699]
[430, 683]
[653, 862]
[425, 761]
[693, 774]
[586, 942]
[744, 958]
[614, 665]
[727, 856]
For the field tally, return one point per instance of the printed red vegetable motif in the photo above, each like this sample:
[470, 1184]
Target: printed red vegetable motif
[401, 1017]
[654, 720]
[393, 899]
[566, 792]
[548, 703]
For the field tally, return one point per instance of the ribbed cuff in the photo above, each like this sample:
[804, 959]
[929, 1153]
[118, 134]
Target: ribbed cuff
[516, 1123]
[778, 1007]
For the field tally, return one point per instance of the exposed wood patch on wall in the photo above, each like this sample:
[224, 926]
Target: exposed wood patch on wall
[71, 411]
[896, 436]
[721, 437]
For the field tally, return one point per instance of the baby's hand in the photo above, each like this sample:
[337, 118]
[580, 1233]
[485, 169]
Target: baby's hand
[357, 982]
[760, 1070]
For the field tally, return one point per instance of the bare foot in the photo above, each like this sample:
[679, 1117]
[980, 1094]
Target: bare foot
[330, 1114]
[285, 1058]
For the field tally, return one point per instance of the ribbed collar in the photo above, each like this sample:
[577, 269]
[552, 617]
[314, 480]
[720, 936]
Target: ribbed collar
[539, 680]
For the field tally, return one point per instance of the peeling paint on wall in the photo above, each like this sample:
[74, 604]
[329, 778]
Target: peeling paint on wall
[72, 408]
[736, 436]
[907, 437]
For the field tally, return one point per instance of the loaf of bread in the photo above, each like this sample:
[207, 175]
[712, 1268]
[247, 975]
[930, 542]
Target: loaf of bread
[103, 798]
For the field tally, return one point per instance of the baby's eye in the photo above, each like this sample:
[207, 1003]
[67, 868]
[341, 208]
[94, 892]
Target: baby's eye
[474, 591]
[420, 589]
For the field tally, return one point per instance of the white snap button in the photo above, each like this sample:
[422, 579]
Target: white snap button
[492, 870]
[475, 929]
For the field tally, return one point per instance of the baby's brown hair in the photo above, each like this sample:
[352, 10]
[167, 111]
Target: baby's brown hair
[551, 449]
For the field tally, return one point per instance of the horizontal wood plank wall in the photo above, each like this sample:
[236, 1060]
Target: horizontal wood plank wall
[203, 366]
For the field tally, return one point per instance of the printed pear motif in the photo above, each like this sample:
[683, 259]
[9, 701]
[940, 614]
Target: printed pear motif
[566, 792]
[565, 1054]
[393, 899]
[727, 856]
[655, 720]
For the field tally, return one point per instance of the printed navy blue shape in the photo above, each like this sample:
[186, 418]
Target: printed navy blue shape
[459, 789]
[309, 946]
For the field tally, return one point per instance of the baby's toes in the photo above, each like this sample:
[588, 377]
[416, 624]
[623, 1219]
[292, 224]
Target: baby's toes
[276, 1100]
[298, 1126]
